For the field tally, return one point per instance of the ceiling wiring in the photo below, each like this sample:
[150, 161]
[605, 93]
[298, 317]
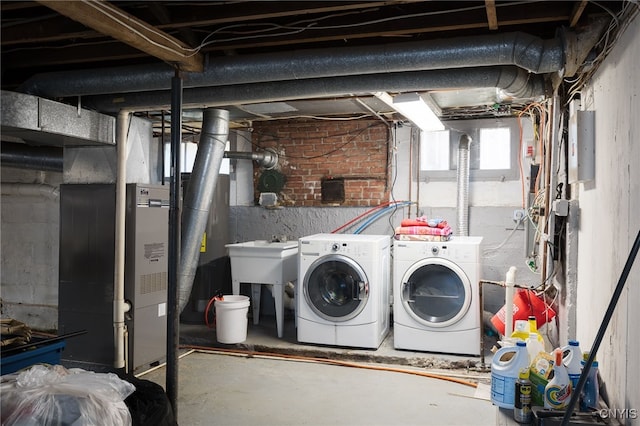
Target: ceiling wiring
[313, 25]
[105, 8]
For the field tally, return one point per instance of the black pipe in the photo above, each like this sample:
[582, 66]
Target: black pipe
[162, 173]
[45, 158]
[603, 327]
[173, 314]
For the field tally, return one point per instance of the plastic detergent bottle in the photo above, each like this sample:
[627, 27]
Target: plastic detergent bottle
[524, 328]
[533, 328]
[572, 359]
[520, 330]
[557, 392]
[505, 368]
[591, 392]
[534, 346]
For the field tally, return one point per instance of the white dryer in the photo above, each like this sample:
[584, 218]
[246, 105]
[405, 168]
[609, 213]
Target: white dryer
[436, 292]
[344, 289]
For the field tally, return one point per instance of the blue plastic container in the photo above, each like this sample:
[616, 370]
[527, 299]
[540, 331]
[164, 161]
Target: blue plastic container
[43, 354]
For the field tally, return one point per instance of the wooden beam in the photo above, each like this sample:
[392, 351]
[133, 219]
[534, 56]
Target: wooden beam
[577, 13]
[109, 20]
[492, 16]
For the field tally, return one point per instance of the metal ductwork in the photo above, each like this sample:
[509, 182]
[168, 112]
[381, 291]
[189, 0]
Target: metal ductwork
[200, 193]
[462, 227]
[513, 81]
[44, 158]
[525, 51]
[267, 159]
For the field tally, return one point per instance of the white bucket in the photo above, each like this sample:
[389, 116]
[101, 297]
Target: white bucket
[231, 319]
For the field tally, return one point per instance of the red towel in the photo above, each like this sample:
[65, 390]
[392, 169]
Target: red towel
[422, 221]
[422, 230]
[418, 221]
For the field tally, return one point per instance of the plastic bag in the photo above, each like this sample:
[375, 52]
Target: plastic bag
[54, 395]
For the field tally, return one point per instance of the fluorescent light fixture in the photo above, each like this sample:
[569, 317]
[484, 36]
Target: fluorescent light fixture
[414, 108]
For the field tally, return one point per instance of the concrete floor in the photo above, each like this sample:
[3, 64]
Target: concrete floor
[258, 383]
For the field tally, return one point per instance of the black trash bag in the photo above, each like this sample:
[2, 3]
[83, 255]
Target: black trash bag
[149, 404]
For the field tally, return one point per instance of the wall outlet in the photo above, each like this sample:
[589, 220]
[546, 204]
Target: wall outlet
[519, 214]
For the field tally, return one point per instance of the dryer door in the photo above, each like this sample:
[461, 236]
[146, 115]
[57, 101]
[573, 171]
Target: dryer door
[336, 288]
[436, 292]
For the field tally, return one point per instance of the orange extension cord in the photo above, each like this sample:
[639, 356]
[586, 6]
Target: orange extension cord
[328, 361]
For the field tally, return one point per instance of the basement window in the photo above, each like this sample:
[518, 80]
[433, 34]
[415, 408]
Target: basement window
[492, 154]
[188, 158]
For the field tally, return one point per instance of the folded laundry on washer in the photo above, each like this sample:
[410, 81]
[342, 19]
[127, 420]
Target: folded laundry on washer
[422, 230]
[428, 238]
[423, 221]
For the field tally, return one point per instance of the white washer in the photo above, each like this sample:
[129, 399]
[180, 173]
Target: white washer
[344, 289]
[436, 292]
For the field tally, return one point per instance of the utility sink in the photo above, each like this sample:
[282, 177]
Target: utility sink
[264, 262]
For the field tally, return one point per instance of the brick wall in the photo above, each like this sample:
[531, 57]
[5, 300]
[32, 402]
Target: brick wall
[311, 150]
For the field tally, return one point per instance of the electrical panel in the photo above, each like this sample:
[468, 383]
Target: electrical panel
[581, 155]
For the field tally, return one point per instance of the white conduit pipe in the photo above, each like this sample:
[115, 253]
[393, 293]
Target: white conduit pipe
[120, 307]
[508, 305]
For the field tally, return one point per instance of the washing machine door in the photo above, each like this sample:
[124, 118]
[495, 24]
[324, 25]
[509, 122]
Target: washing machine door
[336, 288]
[436, 292]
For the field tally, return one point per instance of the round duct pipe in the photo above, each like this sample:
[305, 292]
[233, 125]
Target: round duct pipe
[23, 156]
[513, 81]
[268, 159]
[462, 227]
[523, 50]
[200, 193]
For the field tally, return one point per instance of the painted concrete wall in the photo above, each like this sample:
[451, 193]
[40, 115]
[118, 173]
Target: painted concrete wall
[609, 221]
[30, 210]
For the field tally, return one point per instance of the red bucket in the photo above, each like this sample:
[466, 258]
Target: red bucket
[525, 303]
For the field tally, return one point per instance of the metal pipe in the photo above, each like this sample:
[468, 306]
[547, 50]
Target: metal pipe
[463, 186]
[200, 193]
[46, 158]
[268, 159]
[173, 313]
[523, 50]
[515, 82]
[120, 307]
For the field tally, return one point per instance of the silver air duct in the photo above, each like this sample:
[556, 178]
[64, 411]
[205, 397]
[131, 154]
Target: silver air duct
[267, 159]
[200, 193]
[514, 81]
[462, 227]
[523, 50]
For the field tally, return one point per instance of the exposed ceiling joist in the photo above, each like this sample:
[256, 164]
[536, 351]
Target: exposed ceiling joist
[107, 19]
[577, 13]
[492, 16]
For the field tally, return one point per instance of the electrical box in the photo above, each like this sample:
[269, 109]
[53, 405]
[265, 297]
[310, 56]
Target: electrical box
[582, 152]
